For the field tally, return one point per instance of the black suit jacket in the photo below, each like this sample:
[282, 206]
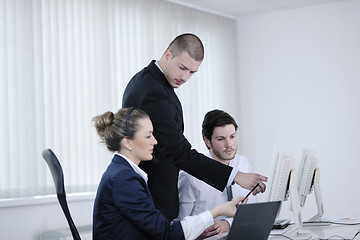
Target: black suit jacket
[150, 91]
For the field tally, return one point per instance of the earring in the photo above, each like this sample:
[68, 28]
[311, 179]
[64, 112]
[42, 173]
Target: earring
[129, 149]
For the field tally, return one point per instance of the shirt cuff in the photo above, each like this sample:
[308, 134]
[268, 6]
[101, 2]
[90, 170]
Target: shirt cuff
[229, 220]
[193, 226]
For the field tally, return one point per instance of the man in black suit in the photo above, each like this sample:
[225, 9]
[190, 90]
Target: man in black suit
[152, 90]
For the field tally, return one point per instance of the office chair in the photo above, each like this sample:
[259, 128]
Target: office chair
[57, 174]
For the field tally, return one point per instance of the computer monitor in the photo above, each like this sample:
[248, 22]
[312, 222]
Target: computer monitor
[283, 184]
[309, 179]
[281, 170]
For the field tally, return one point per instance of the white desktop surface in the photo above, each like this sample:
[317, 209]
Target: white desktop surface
[332, 232]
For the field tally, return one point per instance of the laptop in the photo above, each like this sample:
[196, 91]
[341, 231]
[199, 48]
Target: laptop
[253, 221]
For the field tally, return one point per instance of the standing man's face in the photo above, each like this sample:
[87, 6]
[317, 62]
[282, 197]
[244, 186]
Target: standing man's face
[223, 144]
[180, 68]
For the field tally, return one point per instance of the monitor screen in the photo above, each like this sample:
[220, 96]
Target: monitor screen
[279, 178]
[307, 167]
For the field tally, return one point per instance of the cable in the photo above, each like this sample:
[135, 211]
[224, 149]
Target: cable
[334, 237]
[280, 235]
[355, 235]
[337, 223]
[344, 224]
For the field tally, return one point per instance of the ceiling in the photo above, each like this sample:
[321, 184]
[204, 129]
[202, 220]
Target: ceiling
[235, 8]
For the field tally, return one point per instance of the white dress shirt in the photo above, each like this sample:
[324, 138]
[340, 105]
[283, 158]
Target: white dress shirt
[196, 196]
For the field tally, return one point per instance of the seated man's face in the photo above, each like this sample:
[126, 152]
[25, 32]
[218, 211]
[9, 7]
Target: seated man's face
[223, 145]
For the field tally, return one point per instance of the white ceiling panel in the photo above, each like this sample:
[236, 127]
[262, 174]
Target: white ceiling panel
[234, 8]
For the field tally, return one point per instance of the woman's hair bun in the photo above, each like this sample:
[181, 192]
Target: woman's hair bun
[103, 121]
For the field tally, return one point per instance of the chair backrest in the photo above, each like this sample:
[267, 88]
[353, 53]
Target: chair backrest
[58, 177]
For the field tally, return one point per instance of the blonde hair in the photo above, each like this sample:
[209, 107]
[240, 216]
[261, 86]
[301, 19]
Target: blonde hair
[112, 127]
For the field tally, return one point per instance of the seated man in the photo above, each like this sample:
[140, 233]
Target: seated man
[219, 134]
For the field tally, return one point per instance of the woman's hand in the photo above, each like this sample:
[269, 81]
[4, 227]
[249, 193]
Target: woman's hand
[227, 209]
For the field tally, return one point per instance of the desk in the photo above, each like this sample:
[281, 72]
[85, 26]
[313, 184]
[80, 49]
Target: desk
[332, 232]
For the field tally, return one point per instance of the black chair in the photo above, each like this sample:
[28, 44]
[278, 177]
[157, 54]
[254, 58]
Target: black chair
[57, 174]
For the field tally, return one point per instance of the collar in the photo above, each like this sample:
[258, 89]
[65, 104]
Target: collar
[158, 65]
[135, 167]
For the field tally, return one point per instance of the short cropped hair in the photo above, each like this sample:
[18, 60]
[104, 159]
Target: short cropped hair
[188, 43]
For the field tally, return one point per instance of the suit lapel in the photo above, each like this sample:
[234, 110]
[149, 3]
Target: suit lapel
[160, 77]
[120, 160]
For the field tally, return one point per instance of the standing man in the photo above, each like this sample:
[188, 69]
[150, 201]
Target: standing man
[219, 134]
[152, 90]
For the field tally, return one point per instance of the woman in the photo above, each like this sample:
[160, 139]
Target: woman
[123, 207]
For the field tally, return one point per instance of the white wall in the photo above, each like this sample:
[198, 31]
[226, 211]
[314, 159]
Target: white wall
[299, 82]
[28, 218]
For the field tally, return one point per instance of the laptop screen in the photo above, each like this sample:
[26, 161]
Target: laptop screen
[252, 221]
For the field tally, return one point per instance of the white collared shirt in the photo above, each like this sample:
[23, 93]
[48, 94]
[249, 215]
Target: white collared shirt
[158, 65]
[195, 196]
[135, 167]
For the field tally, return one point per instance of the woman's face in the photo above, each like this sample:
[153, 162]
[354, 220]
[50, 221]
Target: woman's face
[142, 145]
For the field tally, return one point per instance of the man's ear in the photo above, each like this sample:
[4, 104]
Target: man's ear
[168, 54]
[207, 142]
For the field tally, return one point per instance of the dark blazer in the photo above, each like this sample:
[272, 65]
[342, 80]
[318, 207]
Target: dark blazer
[150, 91]
[124, 208]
